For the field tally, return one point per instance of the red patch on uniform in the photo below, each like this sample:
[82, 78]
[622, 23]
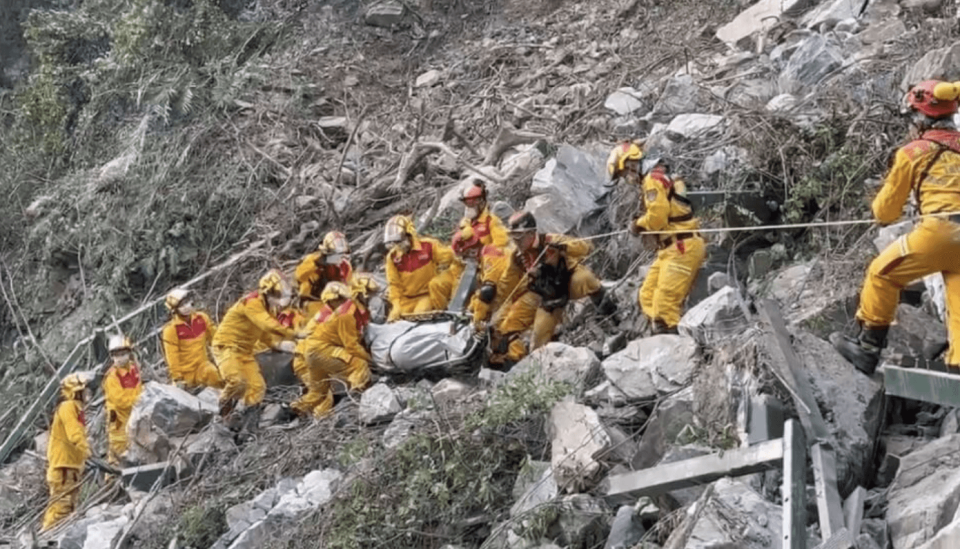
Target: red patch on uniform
[130, 379]
[345, 307]
[945, 138]
[362, 318]
[662, 178]
[481, 228]
[414, 259]
[192, 329]
[81, 418]
[286, 319]
[323, 315]
[681, 247]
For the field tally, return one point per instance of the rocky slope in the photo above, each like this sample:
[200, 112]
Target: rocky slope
[354, 112]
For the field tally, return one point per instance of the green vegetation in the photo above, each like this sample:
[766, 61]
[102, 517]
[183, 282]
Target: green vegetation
[200, 526]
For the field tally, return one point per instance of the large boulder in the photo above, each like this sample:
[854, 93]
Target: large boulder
[104, 535]
[948, 538]
[567, 190]
[626, 531]
[851, 404]
[720, 315]
[162, 413]
[652, 366]
[925, 494]
[733, 516]
[379, 404]
[670, 417]
[558, 362]
[814, 59]
[691, 126]
[578, 438]
[940, 64]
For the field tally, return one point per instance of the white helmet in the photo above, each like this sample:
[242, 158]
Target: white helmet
[119, 342]
[175, 298]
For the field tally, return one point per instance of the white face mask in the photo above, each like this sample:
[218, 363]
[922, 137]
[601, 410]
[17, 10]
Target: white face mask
[471, 212]
[333, 259]
[285, 301]
[121, 359]
[186, 309]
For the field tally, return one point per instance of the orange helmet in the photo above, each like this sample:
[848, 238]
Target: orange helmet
[475, 191]
[934, 99]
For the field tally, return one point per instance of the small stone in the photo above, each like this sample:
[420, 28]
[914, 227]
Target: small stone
[428, 79]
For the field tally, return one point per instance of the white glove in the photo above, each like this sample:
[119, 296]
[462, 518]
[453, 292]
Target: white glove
[287, 347]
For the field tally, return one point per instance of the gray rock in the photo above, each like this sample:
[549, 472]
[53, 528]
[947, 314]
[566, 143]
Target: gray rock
[581, 521]
[760, 264]
[936, 294]
[385, 14]
[378, 404]
[314, 490]
[215, 439]
[559, 362]
[577, 436]
[720, 315]
[162, 413]
[691, 126]
[404, 425]
[930, 6]
[889, 234]
[449, 392]
[925, 495]
[752, 93]
[916, 333]
[878, 530]
[758, 18]
[815, 58]
[103, 535]
[832, 11]
[653, 366]
[735, 516]
[535, 486]
[626, 530]
[850, 402]
[885, 31]
[940, 64]
[948, 538]
[782, 103]
[725, 161]
[428, 79]
[624, 101]
[567, 190]
[951, 423]
[491, 378]
[717, 281]
[680, 95]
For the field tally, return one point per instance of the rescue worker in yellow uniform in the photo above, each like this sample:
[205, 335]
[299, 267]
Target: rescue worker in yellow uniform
[314, 394]
[186, 338]
[121, 389]
[681, 253]
[491, 261]
[411, 263]
[330, 262]
[555, 275]
[253, 318]
[477, 222]
[928, 167]
[334, 347]
[67, 451]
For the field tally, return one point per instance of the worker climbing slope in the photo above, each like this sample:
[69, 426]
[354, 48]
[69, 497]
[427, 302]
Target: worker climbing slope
[331, 262]
[121, 389]
[67, 451]
[253, 318]
[411, 263]
[334, 349]
[552, 265]
[681, 253]
[186, 338]
[929, 168]
[478, 225]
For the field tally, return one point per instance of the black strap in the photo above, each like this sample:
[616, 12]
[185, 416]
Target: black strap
[671, 196]
[926, 170]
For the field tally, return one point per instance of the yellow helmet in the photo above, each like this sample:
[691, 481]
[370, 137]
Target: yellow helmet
[175, 298]
[272, 283]
[119, 342]
[627, 150]
[363, 284]
[73, 384]
[396, 228]
[335, 290]
[334, 242]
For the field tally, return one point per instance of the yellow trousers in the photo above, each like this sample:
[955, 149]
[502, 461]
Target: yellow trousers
[409, 305]
[442, 287]
[322, 369]
[932, 247]
[670, 278]
[117, 440]
[242, 379]
[526, 312]
[207, 375]
[64, 484]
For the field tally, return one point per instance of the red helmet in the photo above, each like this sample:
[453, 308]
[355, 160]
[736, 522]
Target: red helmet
[933, 98]
[474, 191]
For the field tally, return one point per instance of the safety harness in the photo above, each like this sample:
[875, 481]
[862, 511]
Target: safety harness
[944, 143]
[674, 196]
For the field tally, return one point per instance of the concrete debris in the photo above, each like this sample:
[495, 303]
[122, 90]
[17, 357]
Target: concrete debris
[734, 515]
[720, 315]
[378, 404]
[925, 495]
[653, 366]
[558, 362]
[385, 14]
[577, 437]
[930, 6]
[567, 190]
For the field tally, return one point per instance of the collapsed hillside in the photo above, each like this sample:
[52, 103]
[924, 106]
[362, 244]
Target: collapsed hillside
[153, 140]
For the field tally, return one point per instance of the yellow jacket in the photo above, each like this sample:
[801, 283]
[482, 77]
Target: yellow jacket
[122, 388]
[489, 228]
[185, 343]
[68, 445]
[340, 334]
[937, 192]
[493, 263]
[312, 274]
[513, 281]
[409, 274]
[247, 323]
[664, 204]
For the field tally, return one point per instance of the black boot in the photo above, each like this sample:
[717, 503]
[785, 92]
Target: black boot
[605, 306]
[660, 327]
[862, 351]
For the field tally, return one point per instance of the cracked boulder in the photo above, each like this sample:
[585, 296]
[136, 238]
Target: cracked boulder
[162, 413]
[652, 366]
[925, 494]
[577, 440]
[558, 362]
[732, 516]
